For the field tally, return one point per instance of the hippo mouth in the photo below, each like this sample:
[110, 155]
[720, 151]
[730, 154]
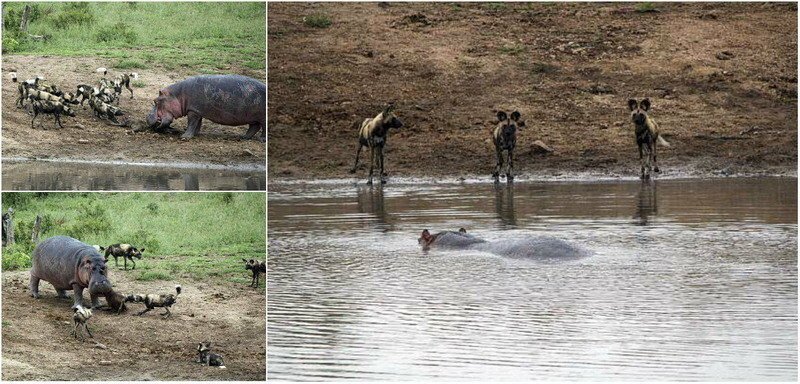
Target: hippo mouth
[100, 287]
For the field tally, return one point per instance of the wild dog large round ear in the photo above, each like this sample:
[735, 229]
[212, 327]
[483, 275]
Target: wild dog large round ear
[515, 115]
[645, 104]
[501, 116]
[632, 104]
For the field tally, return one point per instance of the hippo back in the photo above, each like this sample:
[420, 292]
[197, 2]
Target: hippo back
[456, 240]
[540, 248]
[56, 260]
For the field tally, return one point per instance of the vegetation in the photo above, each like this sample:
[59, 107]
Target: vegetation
[146, 34]
[318, 20]
[196, 235]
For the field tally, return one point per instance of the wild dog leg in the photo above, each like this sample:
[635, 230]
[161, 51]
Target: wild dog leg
[499, 165]
[510, 171]
[371, 162]
[655, 158]
[86, 327]
[134, 263]
[381, 158]
[358, 152]
[167, 313]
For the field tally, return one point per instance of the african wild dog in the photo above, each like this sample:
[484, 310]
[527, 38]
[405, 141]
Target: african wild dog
[102, 109]
[51, 108]
[126, 251]
[504, 137]
[152, 301]
[80, 316]
[98, 248]
[373, 134]
[647, 136]
[124, 80]
[257, 267]
[24, 87]
[205, 357]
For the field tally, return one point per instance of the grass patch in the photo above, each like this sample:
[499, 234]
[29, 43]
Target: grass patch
[195, 235]
[495, 6]
[542, 68]
[646, 7]
[138, 84]
[145, 34]
[129, 64]
[318, 20]
[511, 49]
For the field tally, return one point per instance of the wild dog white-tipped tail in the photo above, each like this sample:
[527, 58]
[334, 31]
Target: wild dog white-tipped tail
[102, 70]
[13, 76]
[135, 75]
[663, 142]
[223, 367]
[178, 289]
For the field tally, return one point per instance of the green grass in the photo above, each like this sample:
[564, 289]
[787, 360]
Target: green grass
[212, 37]
[196, 235]
[511, 49]
[318, 20]
[645, 7]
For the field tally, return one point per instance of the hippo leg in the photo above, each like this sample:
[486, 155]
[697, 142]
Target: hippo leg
[95, 301]
[254, 128]
[62, 293]
[34, 285]
[78, 299]
[195, 120]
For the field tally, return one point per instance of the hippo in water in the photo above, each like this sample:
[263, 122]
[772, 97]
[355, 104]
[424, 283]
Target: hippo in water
[534, 247]
[223, 99]
[69, 264]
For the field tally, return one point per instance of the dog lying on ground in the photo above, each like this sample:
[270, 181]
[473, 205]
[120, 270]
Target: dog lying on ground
[257, 267]
[152, 301]
[205, 356]
[80, 317]
[105, 110]
[504, 137]
[647, 136]
[372, 133]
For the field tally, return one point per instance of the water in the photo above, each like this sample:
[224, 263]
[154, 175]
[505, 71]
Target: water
[71, 176]
[689, 280]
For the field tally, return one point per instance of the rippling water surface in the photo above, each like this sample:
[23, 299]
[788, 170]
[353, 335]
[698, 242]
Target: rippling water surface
[688, 280]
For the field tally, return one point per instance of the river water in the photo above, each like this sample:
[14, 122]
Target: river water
[688, 280]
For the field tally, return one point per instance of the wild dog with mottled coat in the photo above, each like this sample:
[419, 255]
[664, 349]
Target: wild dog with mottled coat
[80, 317]
[647, 136]
[24, 87]
[257, 267]
[205, 357]
[54, 108]
[125, 251]
[124, 80]
[152, 301]
[373, 133]
[504, 137]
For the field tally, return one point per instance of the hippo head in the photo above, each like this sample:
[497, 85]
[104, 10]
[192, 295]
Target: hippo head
[92, 272]
[426, 239]
[165, 108]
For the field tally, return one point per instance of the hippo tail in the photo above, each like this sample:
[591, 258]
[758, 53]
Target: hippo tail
[177, 290]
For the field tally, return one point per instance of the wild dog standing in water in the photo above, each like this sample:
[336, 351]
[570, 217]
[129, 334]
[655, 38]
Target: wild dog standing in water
[205, 356]
[504, 137]
[257, 267]
[126, 251]
[152, 301]
[79, 319]
[373, 134]
[647, 136]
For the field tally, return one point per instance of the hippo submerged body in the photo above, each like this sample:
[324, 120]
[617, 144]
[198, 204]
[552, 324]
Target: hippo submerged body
[69, 264]
[535, 247]
[224, 99]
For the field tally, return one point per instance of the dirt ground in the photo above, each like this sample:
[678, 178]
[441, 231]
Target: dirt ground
[722, 79]
[86, 137]
[37, 344]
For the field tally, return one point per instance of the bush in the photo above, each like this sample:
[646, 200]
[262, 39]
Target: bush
[91, 220]
[143, 239]
[10, 44]
[73, 15]
[117, 32]
[17, 256]
[227, 197]
[318, 20]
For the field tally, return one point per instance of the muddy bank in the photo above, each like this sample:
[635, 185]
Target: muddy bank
[722, 79]
[37, 344]
[89, 138]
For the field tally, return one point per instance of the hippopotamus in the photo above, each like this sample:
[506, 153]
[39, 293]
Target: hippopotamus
[223, 99]
[69, 264]
[533, 247]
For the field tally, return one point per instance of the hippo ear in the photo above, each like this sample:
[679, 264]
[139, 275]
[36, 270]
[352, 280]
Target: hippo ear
[632, 104]
[426, 235]
[501, 116]
[462, 230]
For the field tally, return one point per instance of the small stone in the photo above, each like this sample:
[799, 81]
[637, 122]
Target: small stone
[539, 147]
[248, 152]
[105, 362]
[83, 141]
[80, 126]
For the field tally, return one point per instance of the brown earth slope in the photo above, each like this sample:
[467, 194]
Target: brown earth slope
[569, 68]
[87, 137]
[37, 344]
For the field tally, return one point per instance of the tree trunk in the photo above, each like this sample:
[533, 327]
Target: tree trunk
[37, 226]
[8, 227]
[23, 24]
